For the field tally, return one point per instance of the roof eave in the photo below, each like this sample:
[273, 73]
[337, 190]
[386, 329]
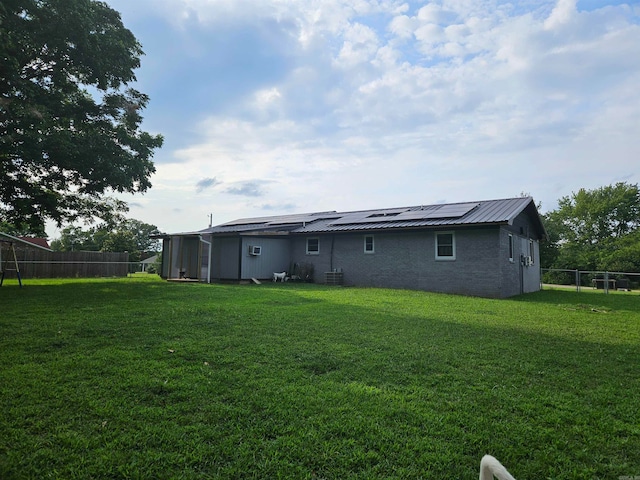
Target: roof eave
[362, 229]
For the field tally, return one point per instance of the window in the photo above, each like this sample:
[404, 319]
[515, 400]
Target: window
[445, 246]
[369, 246]
[531, 251]
[313, 246]
[510, 248]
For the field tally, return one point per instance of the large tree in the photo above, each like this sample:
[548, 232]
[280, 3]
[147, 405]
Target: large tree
[595, 229]
[69, 122]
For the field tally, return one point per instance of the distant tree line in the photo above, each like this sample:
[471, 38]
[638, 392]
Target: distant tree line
[126, 235]
[595, 230]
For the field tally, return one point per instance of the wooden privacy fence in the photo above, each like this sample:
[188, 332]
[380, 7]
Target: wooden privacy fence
[42, 264]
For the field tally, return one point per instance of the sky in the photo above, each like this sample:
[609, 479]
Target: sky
[271, 107]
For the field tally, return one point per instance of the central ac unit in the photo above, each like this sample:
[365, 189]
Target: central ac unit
[255, 250]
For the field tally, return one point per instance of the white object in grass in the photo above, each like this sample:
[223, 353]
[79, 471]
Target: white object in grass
[490, 467]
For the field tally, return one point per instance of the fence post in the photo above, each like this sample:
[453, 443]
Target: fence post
[577, 280]
[606, 282]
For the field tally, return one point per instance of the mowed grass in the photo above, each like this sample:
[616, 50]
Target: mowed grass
[139, 378]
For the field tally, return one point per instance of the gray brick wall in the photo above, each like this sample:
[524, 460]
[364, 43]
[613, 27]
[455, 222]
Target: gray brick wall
[514, 274]
[510, 270]
[407, 260]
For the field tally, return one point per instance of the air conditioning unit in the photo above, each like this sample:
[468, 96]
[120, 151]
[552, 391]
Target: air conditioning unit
[255, 250]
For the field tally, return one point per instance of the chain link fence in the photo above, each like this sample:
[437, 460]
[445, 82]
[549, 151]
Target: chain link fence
[592, 280]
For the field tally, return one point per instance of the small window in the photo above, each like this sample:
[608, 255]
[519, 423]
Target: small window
[510, 248]
[531, 251]
[313, 246]
[369, 246]
[445, 246]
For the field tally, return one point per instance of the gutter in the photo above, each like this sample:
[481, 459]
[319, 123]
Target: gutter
[208, 258]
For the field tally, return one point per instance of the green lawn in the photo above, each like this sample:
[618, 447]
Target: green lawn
[139, 378]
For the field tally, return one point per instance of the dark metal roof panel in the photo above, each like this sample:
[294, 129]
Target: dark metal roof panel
[487, 212]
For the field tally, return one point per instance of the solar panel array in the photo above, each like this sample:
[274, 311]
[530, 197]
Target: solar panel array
[485, 212]
[369, 216]
[402, 215]
[453, 210]
[281, 219]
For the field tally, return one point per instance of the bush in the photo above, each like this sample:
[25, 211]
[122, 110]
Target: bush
[559, 277]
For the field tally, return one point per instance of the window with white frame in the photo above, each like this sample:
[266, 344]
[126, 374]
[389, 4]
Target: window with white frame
[445, 246]
[369, 245]
[531, 251]
[313, 246]
[510, 248]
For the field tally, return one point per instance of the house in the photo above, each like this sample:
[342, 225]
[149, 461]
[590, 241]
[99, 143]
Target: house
[485, 248]
[25, 242]
[147, 262]
[36, 241]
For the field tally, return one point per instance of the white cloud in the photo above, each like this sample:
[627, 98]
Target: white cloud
[402, 26]
[359, 46]
[561, 14]
[386, 103]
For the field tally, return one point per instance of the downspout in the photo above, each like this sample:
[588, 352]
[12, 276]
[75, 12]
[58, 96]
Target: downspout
[169, 258]
[181, 258]
[239, 258]
[208, 259]
[333, 239]
[521, 274]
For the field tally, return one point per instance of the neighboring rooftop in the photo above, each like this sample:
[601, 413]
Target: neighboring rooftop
[36, 242]
[486, 212]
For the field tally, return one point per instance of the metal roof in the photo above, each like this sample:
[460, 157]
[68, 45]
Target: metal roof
[485, 212]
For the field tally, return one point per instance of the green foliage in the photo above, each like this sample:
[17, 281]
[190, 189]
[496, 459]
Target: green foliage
[21, 230]
[136, 378]
[126, 235]
[155, 267]
[595, 230]
[69, 126]
[623, 255]
[591, 217]
[550, 248]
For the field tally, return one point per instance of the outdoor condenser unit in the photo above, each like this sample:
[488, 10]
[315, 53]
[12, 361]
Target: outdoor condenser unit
[255, 250]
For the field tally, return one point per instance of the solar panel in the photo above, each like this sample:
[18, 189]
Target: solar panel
[244, 221]
[370, 216]
[274, 220]
[289, 219]
[327, 214]
[435, 212]
[416, 214]
[351, 218]
[455, 210]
